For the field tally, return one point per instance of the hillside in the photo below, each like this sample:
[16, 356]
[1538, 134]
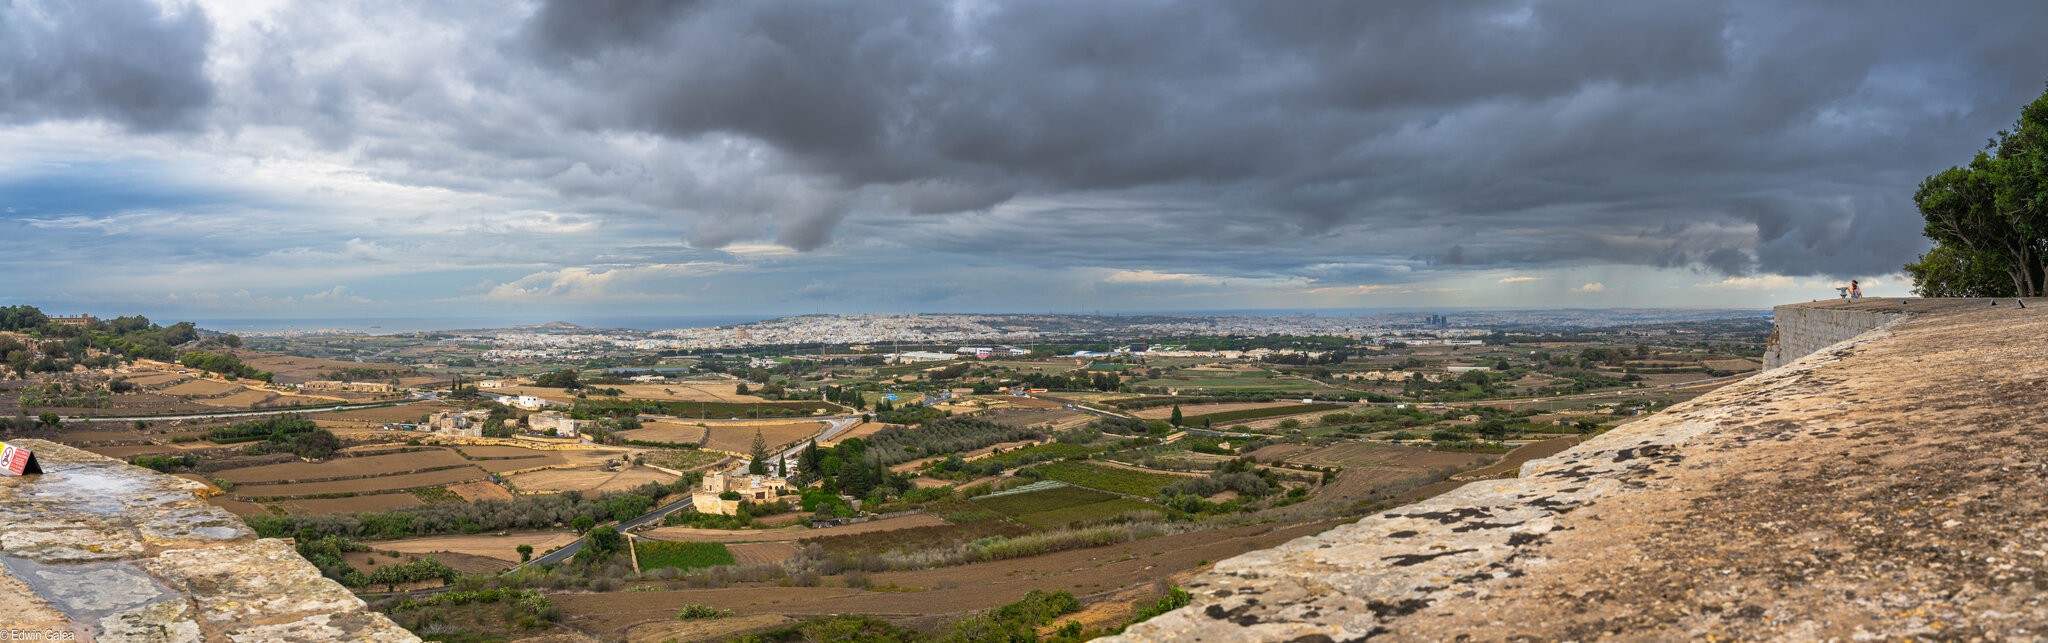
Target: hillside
[1887, 487]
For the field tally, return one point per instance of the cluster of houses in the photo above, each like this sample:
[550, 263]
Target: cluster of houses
[471, 424]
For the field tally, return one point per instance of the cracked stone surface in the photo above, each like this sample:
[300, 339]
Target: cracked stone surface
[115, 552]
[1891, 486]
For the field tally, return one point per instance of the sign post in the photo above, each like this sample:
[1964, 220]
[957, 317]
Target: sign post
[16, 461]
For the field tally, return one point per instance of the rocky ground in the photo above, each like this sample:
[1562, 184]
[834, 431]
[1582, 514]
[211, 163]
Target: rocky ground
[1891, 488]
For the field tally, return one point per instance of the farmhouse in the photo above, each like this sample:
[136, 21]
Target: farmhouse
[463, 423]
[556, 421]
[358, 387]
[711, 496]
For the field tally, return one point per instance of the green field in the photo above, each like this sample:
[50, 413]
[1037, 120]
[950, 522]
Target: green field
[1064, 506]
[1031, 502]
[655, 554]
[1054, 450]
[1253, 414]
[1124, 481]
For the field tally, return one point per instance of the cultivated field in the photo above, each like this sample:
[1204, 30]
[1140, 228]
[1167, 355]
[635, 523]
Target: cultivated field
[202, 388]
[667, 431]
[292, 369]
[364, 485]
[1365, 454]
[375, 465]
[685, 392]
[1062, 506]
[378, 417]
[740, 437]
[480, 490]
[794, 533]
[502, 547]
[355, 504]
[1082, 571]
[1105, 478]
[1164, 412]
[758, 553]
[586, 480]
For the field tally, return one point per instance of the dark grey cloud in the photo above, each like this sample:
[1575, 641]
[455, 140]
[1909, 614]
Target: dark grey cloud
[126, 61]
[1752, 136]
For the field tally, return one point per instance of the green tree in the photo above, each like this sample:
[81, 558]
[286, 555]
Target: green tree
[1989, 219]
[582, 523]
[1176, 419]
[525, 553]
[758, 456]
[50, 419]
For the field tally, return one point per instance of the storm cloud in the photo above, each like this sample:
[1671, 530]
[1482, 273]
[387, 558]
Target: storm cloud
[1326, 144]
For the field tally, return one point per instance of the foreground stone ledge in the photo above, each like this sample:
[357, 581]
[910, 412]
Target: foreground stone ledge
[1372, 578]
[114, 552]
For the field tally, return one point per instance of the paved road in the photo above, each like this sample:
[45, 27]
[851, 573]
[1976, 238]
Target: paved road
[570, 549]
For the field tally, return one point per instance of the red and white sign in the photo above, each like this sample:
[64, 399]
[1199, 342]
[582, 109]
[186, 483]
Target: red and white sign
[18, 461]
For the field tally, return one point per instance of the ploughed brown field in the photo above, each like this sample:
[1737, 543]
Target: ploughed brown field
[375, 465]
[587, 480]
[666, 431]
[355, 504]
[379, 483]
[687, 392]
[759, 553]
[379, 416]
[740, 437]
[693, 534]
[505, 547]
[1164, 412]
[480, 490]
[1088, 573]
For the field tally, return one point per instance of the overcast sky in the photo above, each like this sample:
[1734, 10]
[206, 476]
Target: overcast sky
[269, 159]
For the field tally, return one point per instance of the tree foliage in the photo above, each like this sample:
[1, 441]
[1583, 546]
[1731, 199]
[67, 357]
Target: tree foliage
[1989, 219]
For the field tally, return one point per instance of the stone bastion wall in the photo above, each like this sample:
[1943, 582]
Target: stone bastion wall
[98, 549]
[1890, 484]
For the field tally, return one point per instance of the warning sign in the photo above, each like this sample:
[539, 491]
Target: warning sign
[18, 461]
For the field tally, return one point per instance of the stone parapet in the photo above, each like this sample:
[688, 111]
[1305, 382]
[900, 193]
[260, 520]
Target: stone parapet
[104, 550]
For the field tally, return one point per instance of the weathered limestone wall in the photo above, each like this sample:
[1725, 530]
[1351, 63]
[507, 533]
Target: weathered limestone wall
[1892, 486]
[98, 549]
[1799, 330]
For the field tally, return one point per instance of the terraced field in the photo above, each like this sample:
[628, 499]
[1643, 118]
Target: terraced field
[375, 465]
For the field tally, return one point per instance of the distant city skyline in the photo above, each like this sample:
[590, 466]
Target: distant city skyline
[555, 160]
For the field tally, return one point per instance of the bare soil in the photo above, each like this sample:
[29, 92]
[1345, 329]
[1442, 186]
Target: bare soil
[355, 504]
[693, 534]
[1094, 572]
[505, 547]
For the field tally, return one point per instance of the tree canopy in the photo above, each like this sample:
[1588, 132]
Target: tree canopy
[1989, 219]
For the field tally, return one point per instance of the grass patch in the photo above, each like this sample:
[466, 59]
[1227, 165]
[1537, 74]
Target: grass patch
[656, 554]
[1124, 481]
